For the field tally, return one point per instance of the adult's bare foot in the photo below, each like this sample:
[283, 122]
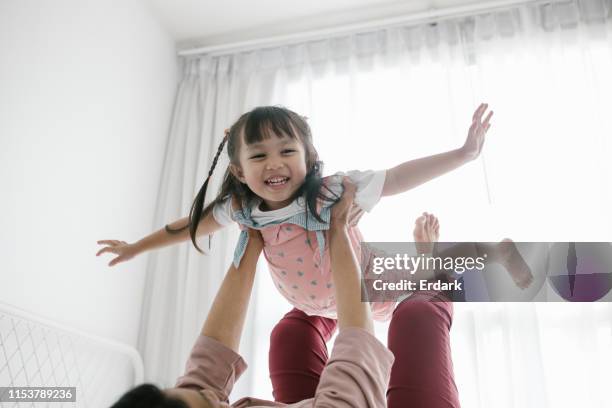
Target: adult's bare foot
[426, 232]
[510, 257]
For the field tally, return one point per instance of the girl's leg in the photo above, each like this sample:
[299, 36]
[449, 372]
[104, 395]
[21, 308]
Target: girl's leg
[419, 337]
[298, 354]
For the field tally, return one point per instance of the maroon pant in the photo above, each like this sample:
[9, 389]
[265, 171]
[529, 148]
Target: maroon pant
[421, 376]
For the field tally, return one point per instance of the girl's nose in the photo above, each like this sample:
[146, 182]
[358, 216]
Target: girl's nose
[274, 164]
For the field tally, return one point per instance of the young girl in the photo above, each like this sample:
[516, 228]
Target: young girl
[274, 183]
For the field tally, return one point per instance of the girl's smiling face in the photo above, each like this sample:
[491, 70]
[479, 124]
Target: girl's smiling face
[274, 168]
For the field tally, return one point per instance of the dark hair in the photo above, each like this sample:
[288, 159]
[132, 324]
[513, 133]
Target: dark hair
[258, 125]
[147, 396]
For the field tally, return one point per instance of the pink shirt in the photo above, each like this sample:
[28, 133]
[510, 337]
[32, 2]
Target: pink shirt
[356, 375]
[303, 277]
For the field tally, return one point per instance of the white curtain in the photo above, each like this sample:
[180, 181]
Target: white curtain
[181, 283]
[379, 98]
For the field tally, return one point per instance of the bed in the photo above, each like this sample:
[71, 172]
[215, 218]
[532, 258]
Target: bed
[35, 352]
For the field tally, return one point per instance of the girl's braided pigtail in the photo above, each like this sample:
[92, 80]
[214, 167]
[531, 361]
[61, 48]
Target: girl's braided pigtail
[195, 213]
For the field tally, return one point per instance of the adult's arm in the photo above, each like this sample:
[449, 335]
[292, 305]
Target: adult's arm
[357, 373]
[225, 320]
[352, 312]
[214, 363]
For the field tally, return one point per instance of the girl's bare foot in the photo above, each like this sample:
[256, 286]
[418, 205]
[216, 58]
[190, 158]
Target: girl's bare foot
[511, 258]
[426, 232]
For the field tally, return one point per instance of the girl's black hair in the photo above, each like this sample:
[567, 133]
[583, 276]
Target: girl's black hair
[258, 125]
[147, 396]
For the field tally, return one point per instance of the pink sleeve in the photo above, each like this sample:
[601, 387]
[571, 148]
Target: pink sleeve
[212, 366]
[357, 374]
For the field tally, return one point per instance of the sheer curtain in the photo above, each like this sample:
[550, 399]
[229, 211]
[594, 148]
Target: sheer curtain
[379, 98]
[180, 282]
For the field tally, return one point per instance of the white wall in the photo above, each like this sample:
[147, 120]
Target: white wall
[86, 94]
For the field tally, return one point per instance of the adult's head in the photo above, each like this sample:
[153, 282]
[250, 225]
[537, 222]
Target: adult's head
[150, 396]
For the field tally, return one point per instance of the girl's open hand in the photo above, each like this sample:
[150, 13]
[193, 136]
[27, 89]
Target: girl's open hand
[476, 135]
[122, 249]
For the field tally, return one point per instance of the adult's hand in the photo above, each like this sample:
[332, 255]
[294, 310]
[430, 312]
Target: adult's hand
[343, 212]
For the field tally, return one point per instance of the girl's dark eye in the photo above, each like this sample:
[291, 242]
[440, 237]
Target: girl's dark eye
[288, 151]
[258, 156]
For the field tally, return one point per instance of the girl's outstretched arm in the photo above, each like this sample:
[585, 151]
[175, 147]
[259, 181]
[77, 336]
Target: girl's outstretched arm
[161, 238]
[413, 173]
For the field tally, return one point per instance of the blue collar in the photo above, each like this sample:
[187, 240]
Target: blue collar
[303, 219]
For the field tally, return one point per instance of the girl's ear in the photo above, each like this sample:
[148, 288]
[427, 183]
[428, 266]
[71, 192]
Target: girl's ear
[237, 172]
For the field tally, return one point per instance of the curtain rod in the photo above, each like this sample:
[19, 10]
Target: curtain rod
[348, 29]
